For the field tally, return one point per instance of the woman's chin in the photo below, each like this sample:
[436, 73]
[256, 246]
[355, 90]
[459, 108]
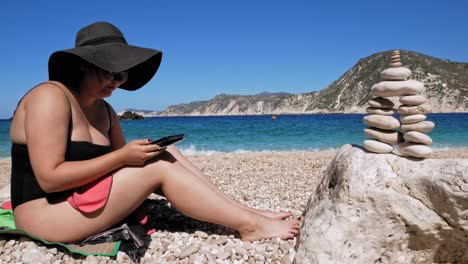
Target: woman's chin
[108, 91]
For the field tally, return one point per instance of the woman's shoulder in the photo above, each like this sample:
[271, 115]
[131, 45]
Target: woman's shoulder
[45, 96]
[46, 91]
[42, 100]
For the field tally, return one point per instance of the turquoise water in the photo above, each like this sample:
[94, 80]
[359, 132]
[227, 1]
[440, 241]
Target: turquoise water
[261, 133]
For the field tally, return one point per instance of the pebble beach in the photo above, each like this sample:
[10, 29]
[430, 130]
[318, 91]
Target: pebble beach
[279, 181]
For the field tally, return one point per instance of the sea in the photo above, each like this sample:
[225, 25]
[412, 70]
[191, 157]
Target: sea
[263, 133]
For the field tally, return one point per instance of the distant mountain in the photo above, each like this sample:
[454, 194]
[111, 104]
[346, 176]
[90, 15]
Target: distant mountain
[446, 88]
[446, 83]
[272, 94]
[225, 104]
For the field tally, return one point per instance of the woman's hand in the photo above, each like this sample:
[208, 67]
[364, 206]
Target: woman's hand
[137, 152]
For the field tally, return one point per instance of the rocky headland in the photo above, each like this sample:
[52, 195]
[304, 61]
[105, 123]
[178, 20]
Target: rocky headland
[129, 115]
[446, 86]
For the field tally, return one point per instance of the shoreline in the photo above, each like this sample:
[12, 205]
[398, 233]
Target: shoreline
[223, 158]
[280, 114]
[438, 152]
[276, 114]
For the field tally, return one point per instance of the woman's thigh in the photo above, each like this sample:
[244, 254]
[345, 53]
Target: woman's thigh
[61, 222]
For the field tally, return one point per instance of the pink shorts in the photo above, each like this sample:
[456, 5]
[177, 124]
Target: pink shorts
[92, 196]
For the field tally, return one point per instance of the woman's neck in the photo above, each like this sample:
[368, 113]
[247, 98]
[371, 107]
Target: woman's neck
[84, 100]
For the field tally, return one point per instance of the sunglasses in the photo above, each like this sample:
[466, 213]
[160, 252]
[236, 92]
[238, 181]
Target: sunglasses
[111, 76]
[116, 76]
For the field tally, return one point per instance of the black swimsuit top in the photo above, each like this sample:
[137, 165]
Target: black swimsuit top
[24, 185]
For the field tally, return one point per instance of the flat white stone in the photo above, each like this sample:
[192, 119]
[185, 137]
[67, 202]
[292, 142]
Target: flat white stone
[417, 137]
[414, 110]
[396, 64]
[380, 111]
[380, 102]
[415, 150]
[398, 153]
[386, 136]
[413, 100]
[398, 73]
[383, 122]
[397, 88]
[423, 127]
[411, 119]
[377, 146]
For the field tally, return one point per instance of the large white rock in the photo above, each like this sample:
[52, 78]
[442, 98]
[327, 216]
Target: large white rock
[414, 110]
[424, 127]
[381, 208]
[414, 150]
[398, 74]
[380, 121]
[380, 111]
[397, 88]
[417, 137]
[386, 136]
[413, 100]
[380, 102]
[410, 119]
[377, 146]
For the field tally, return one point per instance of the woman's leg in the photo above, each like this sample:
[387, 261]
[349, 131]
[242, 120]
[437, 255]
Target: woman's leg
[182, 159]
[131, 185]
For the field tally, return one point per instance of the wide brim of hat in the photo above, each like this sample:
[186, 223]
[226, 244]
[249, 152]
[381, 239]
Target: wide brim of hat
[142, 63]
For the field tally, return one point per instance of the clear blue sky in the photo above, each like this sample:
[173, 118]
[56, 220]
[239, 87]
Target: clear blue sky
[235, 47]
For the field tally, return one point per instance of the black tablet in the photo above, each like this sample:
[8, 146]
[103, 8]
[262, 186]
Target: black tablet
[166, 141]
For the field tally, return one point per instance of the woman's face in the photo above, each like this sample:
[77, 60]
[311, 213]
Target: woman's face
[99, 83]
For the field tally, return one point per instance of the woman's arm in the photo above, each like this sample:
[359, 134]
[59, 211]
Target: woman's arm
[47, 121]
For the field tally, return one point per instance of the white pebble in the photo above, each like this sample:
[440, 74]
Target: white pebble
[9, 244]
[91, 260]
[34, 256]
[223, 255]
[201, 234]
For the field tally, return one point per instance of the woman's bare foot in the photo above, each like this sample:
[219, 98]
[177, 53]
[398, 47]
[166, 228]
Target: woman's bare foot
[273, 215]
[266, 227]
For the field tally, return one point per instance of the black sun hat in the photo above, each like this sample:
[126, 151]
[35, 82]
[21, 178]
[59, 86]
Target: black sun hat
[103, 45]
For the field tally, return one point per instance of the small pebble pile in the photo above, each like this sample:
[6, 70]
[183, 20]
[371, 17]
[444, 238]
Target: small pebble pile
[411, 140]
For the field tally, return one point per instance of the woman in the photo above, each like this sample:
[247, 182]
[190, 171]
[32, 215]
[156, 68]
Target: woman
[67, 141]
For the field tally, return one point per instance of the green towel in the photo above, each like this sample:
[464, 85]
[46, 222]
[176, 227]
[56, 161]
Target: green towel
[7, 226]
[6, 219]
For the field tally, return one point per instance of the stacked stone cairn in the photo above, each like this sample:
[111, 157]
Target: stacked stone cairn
[411, 140]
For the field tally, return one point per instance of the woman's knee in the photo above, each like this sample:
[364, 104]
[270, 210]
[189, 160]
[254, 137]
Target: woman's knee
[163, 164]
